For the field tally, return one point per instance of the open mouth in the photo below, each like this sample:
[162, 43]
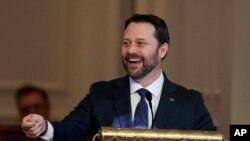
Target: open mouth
[133, 63]
[134, 60]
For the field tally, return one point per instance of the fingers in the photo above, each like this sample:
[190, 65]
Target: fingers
[34, 133]
[33, 125]
[27, 122]
[38, 131]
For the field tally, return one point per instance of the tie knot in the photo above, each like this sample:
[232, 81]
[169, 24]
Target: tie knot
[142, 92]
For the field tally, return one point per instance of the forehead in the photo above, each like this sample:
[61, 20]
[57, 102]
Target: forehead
[139, 30]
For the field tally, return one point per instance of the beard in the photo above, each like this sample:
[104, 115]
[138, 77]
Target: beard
[148, 64]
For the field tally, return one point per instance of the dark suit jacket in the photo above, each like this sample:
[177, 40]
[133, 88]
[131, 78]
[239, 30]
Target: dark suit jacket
[108, 104]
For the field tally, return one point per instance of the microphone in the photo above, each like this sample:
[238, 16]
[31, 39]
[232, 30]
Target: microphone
[149, 99]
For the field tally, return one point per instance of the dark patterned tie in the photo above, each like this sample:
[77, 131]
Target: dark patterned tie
[141, 111]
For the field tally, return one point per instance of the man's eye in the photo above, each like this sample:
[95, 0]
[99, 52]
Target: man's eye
[141, 44]
[125, 43]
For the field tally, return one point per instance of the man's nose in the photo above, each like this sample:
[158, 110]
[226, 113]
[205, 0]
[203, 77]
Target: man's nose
[132, 49]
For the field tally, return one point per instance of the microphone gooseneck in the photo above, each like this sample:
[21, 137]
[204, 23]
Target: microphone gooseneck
[149, 99]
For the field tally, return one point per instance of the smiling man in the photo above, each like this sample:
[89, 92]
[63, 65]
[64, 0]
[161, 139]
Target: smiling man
[144, 98]
[142, 53]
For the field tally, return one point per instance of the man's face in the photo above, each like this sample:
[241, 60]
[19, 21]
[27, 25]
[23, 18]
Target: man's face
[140, 51]
[33, 103]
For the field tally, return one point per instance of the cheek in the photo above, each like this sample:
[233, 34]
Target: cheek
[123, 52]
[152, 56]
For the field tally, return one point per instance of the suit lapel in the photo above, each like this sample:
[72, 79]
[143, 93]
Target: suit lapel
[164, 113]
[122, 102]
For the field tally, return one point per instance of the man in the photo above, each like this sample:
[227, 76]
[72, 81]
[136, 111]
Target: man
[31, 99]
[121, 102]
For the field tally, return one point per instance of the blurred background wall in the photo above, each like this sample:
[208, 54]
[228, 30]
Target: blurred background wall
[65, 45]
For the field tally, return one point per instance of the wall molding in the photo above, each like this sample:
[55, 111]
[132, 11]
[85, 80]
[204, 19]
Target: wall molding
[52, 86]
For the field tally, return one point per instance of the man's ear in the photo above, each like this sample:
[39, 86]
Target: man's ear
[163, 50]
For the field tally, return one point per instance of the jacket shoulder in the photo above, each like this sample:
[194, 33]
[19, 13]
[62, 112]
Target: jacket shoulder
[187, 93]
[107, 85]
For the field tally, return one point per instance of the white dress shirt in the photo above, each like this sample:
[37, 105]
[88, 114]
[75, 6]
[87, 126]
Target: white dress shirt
[154, 88]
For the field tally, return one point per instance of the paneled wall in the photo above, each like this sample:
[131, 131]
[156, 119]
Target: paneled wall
[32, 41]
[66, 45]
[62, 46]
[241, 64]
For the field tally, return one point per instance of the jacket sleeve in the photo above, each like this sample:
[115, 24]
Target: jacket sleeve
[75, 126]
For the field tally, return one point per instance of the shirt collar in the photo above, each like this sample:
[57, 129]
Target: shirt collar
[155, 88]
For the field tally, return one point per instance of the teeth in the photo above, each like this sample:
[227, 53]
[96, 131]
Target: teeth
[134, 59]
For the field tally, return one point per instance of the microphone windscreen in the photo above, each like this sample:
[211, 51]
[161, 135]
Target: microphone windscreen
[149, 96]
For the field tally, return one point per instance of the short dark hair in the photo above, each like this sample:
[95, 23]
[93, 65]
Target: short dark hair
[161, 29]
[27, 89]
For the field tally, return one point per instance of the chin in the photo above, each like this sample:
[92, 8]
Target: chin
[136, 75]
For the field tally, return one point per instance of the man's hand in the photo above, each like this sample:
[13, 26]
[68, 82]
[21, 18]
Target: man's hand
[34, 125]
